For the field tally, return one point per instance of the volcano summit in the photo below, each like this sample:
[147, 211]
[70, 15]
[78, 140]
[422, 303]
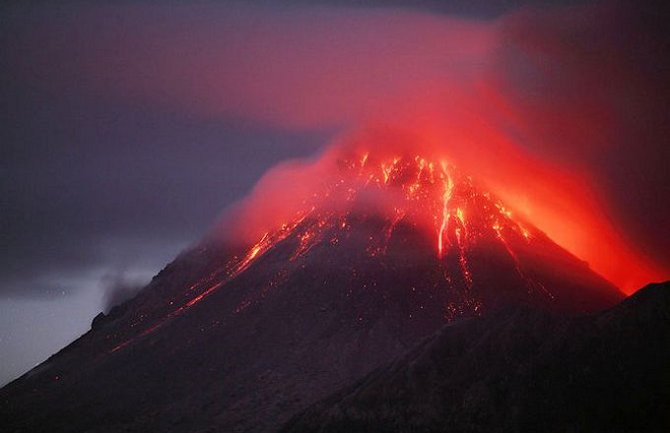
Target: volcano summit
[353, 262]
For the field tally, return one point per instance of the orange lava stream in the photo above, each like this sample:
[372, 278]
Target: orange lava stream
[431, 196]
[231, 271]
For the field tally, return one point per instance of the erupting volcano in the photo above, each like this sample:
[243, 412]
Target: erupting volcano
[374, 222]
[302, 290]
[391, 211]
[455, 256]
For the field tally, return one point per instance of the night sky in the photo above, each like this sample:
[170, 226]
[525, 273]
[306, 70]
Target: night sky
[128, 128]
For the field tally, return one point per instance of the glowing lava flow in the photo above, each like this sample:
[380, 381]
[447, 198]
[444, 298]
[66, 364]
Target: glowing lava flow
[448, 189]
[437, 193]
[230, 271]
[428, 197]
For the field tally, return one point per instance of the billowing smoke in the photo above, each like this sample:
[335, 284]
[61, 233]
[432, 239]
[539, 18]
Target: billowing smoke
[562, 112]
[118, 288]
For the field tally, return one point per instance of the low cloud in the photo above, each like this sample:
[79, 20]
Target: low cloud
[119, 288]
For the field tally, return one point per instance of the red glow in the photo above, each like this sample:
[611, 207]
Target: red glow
[407, 176]
[423, 190]
[519, 102]
[352, 188]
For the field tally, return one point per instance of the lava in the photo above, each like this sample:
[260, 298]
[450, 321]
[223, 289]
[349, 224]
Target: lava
[219, 278]
[425, 192]
[428, 194]
[420, 192]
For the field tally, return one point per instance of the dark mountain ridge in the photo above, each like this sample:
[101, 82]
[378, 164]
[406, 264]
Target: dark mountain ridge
[520, 370]
[240, 337]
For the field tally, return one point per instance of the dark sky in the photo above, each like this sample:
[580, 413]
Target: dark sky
[120, 147]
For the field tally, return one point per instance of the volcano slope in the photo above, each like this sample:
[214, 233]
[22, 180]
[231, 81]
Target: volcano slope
[520, 370]
[240, 336]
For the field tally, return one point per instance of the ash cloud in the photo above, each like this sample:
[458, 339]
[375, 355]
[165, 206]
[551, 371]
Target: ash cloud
[574, 98]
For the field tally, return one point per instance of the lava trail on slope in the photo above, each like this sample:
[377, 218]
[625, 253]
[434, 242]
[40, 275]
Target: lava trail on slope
[377, 254]
[399, 203]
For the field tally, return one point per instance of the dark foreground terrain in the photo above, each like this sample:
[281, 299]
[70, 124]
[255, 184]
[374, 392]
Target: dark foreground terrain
[520, 370]
[241, 340]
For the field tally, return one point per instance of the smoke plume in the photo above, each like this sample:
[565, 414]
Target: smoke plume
[561, 112]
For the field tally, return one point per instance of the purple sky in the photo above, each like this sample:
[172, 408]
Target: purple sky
[121, 147]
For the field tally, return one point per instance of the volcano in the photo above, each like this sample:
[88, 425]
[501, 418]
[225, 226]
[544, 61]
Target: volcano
[299, 299]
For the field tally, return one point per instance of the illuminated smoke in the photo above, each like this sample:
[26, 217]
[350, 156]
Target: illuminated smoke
[519, 102]
[403, 176]
[379, 199]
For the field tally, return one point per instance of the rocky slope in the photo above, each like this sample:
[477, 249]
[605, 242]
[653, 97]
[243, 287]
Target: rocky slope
[520, 370]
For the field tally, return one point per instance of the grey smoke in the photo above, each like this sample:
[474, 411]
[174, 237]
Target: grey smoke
[118, 289]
